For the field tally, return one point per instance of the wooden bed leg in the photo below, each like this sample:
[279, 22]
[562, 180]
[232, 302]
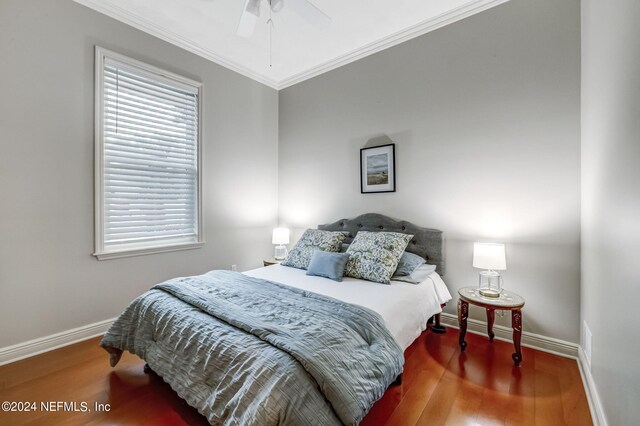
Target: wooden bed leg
[437, 327]
[114, 355]
[114, 358]
[398, 380]
[147, 369]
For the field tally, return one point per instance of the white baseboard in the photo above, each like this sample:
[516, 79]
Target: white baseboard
[54, 341]
[530, 340]
[546, 344]
[595, 405]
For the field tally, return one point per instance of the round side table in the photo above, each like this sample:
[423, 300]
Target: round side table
[272, 261]
[508, 301]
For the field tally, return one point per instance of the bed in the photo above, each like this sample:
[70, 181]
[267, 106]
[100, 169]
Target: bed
[405, 307]
[276, 346]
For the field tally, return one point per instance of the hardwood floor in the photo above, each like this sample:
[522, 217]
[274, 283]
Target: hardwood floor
[440, 385]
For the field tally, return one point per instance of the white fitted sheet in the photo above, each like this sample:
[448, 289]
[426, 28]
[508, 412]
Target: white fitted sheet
[404, 307]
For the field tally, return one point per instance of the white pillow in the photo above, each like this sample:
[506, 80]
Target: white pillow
[419, 275]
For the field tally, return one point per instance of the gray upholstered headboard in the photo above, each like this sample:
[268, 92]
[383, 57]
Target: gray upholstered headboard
[428, 243]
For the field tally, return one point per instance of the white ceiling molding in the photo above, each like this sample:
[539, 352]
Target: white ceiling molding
[162, 33]
[287, 78]
[393, 40]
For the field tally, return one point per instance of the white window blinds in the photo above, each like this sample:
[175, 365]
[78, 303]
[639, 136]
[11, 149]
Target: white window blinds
[149, 159]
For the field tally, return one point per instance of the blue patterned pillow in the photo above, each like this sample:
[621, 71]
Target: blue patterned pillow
[312, 240]
[408, 263]
[374, 256]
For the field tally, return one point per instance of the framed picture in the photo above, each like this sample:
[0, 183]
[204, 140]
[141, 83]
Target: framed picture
[378, 169]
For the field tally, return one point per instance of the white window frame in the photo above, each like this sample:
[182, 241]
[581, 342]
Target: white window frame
[101, 252]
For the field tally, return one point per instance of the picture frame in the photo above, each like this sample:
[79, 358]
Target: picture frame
[378, 169]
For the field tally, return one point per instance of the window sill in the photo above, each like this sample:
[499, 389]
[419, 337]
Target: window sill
[150, 250]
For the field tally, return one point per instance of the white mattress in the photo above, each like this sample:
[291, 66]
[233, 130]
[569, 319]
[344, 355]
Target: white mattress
[404, 307]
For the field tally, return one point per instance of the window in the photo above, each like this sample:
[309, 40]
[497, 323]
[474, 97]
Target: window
[147, 161]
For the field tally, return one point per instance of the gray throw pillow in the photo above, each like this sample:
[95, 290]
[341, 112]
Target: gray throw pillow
[418, 275]
[374, 256]
[312, 240]
[408, 263]
[327, 264]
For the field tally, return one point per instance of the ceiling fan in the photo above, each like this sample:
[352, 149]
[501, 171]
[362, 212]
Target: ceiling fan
[304, 8]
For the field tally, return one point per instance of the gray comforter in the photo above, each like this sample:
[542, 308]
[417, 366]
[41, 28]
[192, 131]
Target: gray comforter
[248, 351]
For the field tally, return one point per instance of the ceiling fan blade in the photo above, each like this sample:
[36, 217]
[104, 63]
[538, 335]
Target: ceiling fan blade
[309, 12]
[276, 5]
[249, 17]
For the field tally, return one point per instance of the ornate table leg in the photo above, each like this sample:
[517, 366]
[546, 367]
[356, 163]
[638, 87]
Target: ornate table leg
[491, 317]
[463, 313]
[516, 323]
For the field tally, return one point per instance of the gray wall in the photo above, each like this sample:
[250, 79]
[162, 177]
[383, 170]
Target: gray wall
[49, 282]
[485, 115]
[611, 201]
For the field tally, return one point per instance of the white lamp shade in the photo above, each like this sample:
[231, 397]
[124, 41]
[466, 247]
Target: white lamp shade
[280, 236]
[489, 256]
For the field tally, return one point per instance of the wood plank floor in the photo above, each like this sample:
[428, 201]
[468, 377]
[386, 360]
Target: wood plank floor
[441, 386]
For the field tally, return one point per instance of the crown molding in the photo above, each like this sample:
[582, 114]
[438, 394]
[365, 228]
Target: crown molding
[149, 27]
[471, 8]
[122, 15]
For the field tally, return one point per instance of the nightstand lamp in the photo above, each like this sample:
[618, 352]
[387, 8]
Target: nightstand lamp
[490, 257]
[280, 238]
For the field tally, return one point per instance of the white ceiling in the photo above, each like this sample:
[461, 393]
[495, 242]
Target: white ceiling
[299, 50]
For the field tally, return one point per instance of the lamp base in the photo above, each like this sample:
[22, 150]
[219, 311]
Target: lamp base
[490, 284]
[280, 252]
[489, 292]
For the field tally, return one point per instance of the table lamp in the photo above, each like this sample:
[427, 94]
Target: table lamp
[490, 257]
[280, 238]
